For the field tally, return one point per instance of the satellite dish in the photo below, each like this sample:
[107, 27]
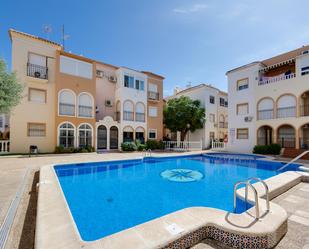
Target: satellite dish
[47, 29]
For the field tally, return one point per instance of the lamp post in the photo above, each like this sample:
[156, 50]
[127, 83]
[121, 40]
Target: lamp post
[188, 126]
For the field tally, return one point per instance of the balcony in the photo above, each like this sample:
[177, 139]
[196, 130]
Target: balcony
[265, 114]
[269, 80]
[84, 111]
[37, 71]
[66, 109]
[128, 116]
[153, 95]
[140, 117]
[286, 112]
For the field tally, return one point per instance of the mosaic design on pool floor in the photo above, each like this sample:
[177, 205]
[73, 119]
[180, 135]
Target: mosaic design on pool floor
[182, 175]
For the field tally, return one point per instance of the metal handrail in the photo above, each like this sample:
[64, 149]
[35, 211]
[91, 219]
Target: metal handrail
[266, 190]
[247, 183]
[147, 153]
[293, 160]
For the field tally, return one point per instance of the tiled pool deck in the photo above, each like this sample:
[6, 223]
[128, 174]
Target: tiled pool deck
[21, 236]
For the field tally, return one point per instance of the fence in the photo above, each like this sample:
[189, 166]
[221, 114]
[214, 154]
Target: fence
[4, 146]
[216, 145]
[182, 145]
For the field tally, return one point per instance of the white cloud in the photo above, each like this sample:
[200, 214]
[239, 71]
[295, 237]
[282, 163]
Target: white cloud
[191, 9]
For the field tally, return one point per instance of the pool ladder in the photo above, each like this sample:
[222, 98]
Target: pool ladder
[256, 197]
[147, 153]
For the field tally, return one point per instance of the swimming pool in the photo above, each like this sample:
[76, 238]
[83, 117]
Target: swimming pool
[108, 197]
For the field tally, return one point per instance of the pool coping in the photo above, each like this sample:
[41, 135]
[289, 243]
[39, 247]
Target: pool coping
[55, 226]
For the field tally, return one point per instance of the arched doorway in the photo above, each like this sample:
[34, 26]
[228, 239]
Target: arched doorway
[113, 141]
[265, 135]
[128, 134]
[102, 138]
[140, 134]
[286, 136]
[304, 137]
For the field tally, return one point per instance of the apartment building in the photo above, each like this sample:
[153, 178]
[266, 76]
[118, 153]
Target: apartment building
[269, 102]
[74, 101]
[215, 103]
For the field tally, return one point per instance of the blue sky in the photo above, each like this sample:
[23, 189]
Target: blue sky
[193, 41]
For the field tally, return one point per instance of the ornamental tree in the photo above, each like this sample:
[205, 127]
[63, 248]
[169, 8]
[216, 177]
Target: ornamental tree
[183, 114]
[10, 89]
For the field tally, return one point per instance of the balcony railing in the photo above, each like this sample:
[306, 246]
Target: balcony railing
[37, 71]
[129, 116]
[265, 114]
[286, 112]
[4, 146]
[84, 111]
[66, 109]
[268, 80]
[153, 95]
[304, 110]
[140, 117]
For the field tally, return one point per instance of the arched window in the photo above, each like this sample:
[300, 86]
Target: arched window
[84, 135]
[85, 105]
[265, 109]
[66, 135]
[140, 112]
[66, 102]
[128, 113]
[286, 106]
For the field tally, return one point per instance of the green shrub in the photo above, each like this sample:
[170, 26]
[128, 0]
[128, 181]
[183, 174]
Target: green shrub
[151, 144]
[128, 146]
[59, 149]
[273, 149]
[139, 145]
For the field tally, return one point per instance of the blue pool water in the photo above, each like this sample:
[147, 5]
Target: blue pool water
[105, 198]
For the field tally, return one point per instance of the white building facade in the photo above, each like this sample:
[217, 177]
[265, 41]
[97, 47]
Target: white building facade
[269, 102]
[215, 103]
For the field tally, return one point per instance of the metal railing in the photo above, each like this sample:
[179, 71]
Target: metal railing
[304, 110]
[256, 197]
[293, 160]
[4, 146]
[153, 95]
[66, 109]
[37, 71]
[287, 142]
[147, 153]
[84, 111]
[129, 116]
[286, 112]
[269, 80]
[140, 117]
[182, 145]
[265, 114]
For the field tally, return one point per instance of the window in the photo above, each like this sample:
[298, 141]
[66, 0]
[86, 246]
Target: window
[1, 121]
[242, 109]
[139, 85]
[152, 134]
[84, 135]
[211, 99]
[153, 88]
[226, 103]
[129, 81]
[75, 67]
[37, 66]
[242, 133]
[212, 117]
[153, 111]
[38, 60]
[66, 135]
[66, 103]
[36, 130]
[242, 84]
[304, 70]
[85, 105]
[37, 95]
[222, 102]
[211, 135]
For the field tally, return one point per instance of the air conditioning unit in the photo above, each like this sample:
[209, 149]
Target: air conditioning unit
[108, 103]
[248, 119]
[112, 79]
[100, 74]
[305, 52]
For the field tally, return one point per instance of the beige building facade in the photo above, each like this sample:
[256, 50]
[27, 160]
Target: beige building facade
[73, 101]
